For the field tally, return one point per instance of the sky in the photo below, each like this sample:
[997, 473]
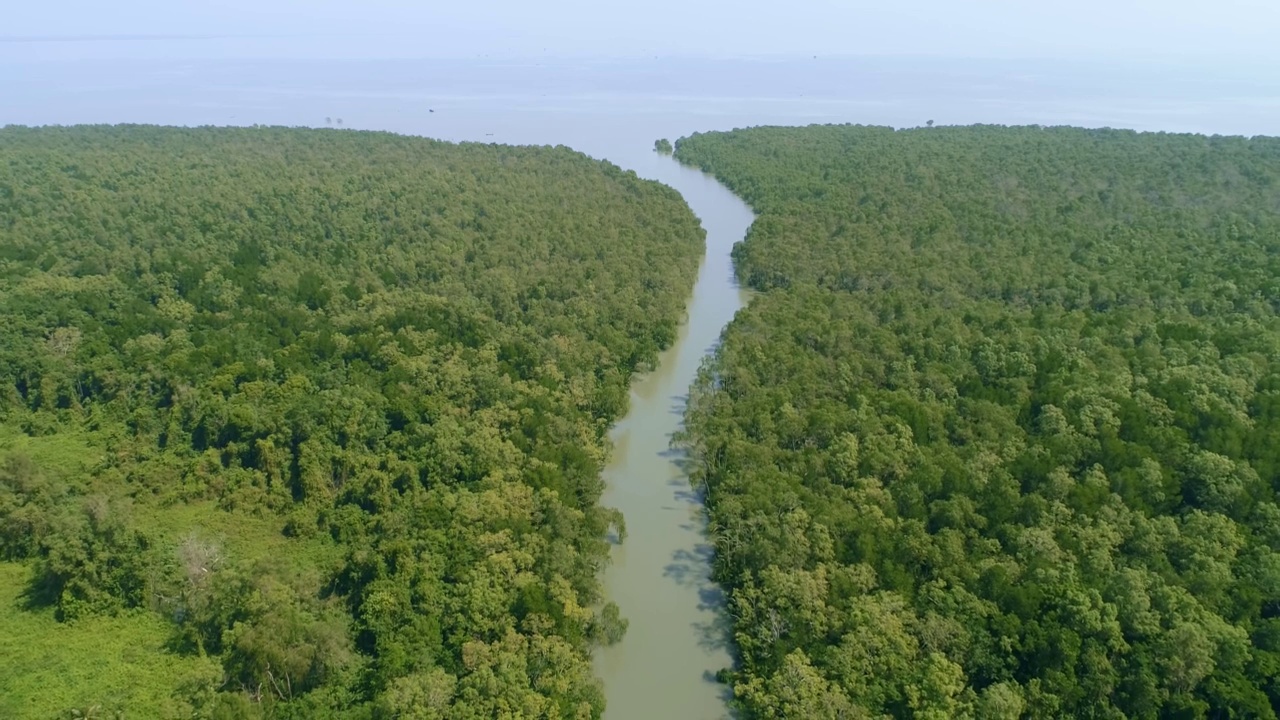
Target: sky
[1227, 31]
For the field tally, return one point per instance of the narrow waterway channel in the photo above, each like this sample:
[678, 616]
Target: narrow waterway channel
[678, 636]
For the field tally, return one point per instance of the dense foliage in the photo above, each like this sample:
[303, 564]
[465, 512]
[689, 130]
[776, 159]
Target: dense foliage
[402, 350]
[1001, 436]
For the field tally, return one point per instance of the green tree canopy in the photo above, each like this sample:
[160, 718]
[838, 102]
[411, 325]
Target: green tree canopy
[998, 439]
[405, 353]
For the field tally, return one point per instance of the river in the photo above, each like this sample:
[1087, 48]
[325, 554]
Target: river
[677, 639]
[659, 577]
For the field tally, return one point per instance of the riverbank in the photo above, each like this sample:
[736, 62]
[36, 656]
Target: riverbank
[660, 577]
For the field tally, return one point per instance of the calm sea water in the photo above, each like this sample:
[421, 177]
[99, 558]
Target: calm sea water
[615, 110]
[591, 104]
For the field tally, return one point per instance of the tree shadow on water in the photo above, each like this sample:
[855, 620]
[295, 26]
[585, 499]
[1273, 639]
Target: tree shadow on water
[711, 597]
[684, 492]
[690, 567]
[683, 463]
[673, 454]
[716, 632]
[724, 690]
[677, 454]
[687, 496]
[679, 403]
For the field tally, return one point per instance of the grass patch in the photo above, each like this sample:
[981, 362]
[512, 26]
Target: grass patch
[245, 539]
[121, 666]
[65, 454]
[118, 664]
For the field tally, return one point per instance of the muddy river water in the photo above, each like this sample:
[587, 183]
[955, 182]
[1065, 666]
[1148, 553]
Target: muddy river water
[659, 577]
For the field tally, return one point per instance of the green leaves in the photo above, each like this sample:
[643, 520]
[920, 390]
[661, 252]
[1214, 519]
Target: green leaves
[1022, 380]
[410, 347]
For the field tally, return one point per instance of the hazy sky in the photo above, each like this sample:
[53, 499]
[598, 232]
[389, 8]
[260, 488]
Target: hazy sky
[1197, 30]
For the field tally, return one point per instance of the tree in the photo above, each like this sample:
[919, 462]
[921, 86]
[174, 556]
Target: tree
[389, 363]
[1024, 477]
